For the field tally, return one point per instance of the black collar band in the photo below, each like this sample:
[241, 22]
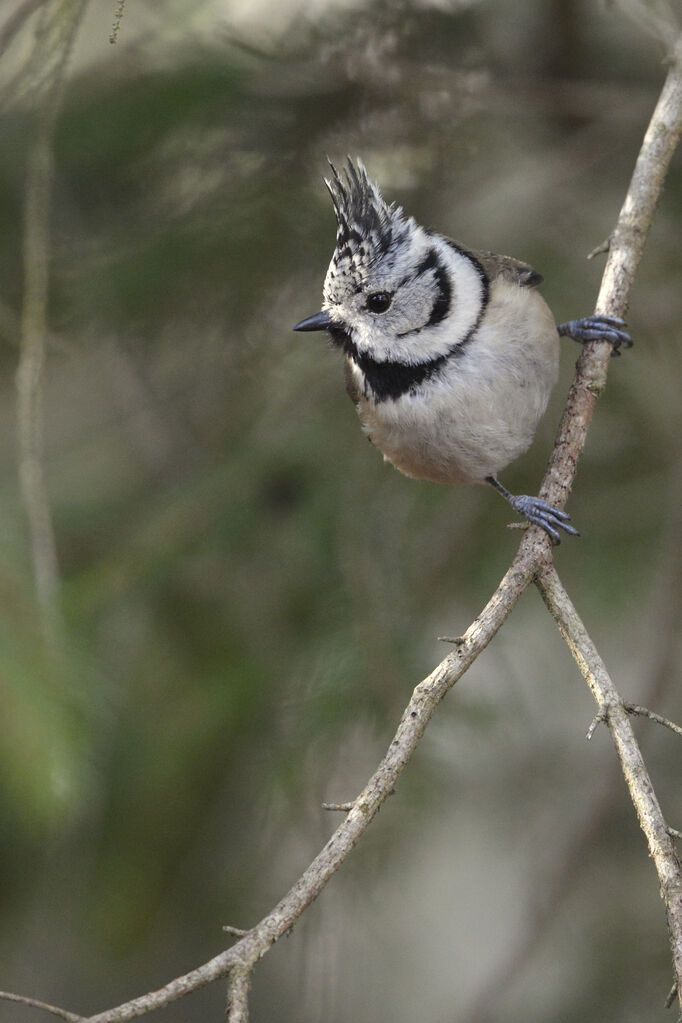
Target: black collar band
[390, 380]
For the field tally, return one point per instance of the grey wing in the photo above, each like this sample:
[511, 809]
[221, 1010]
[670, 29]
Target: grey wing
[513, 270]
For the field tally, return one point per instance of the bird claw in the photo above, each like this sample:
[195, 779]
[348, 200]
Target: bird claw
[546, 516]
[598, 328]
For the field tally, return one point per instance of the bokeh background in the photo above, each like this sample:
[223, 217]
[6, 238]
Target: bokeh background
[249, 593]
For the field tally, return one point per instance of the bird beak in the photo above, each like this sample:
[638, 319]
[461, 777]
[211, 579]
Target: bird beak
[320, 321]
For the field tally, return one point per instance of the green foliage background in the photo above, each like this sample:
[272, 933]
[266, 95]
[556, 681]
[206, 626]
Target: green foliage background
[250, 593]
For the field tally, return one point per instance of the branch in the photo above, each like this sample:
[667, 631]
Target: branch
[423, 703]
[625, 251]
[238, 994]
[639, 783]
[70, 1017]
[635, 709]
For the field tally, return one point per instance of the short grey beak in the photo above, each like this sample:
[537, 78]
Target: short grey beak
[320, 321]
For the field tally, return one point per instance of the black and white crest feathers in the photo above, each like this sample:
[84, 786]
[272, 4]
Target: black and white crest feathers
[365, 220]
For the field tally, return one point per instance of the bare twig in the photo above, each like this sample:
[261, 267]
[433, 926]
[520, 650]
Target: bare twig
[639, 783]
[634, 709]
[625, 251]
[567, 870]
[71, 1017]
[598, 250]
[627, 244]
[423, 703]
[343, 807]
[598, 719]
[671, 996]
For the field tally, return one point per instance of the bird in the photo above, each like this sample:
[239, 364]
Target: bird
[451, 354]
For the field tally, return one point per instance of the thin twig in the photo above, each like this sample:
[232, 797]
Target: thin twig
[598, 719]
[625, 251]
[343, 807]
[671, 996]
[639, 783]
[423, 703]
[627, 243]
[35, 1003]
[566, 871]
[598, 250]
[635, 709]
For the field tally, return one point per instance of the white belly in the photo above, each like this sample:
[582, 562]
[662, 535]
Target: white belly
[481, 411]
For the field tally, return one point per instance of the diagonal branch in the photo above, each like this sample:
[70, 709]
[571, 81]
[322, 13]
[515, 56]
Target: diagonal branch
[625, 248]
[35, 1003]
[615, 714]
[423, 703]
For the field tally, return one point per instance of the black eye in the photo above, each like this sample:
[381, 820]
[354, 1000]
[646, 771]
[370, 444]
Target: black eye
[378, 301]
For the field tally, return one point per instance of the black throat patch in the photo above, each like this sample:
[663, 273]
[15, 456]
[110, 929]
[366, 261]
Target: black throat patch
[389, 380]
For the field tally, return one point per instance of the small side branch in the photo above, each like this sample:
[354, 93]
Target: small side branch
[598, 719]
[635, 710]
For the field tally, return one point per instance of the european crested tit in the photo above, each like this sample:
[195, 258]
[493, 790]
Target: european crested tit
[450, 354]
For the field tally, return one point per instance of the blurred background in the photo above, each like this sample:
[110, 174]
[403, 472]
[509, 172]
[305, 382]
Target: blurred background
[248, 594]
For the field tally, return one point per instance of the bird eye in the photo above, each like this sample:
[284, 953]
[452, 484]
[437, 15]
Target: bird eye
[378, 301]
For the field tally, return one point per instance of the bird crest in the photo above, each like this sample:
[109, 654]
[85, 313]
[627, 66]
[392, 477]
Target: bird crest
[368, 228]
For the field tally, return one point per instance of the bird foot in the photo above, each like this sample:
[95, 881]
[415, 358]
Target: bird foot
[546, 516]
[537, 512]
[597, 328]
